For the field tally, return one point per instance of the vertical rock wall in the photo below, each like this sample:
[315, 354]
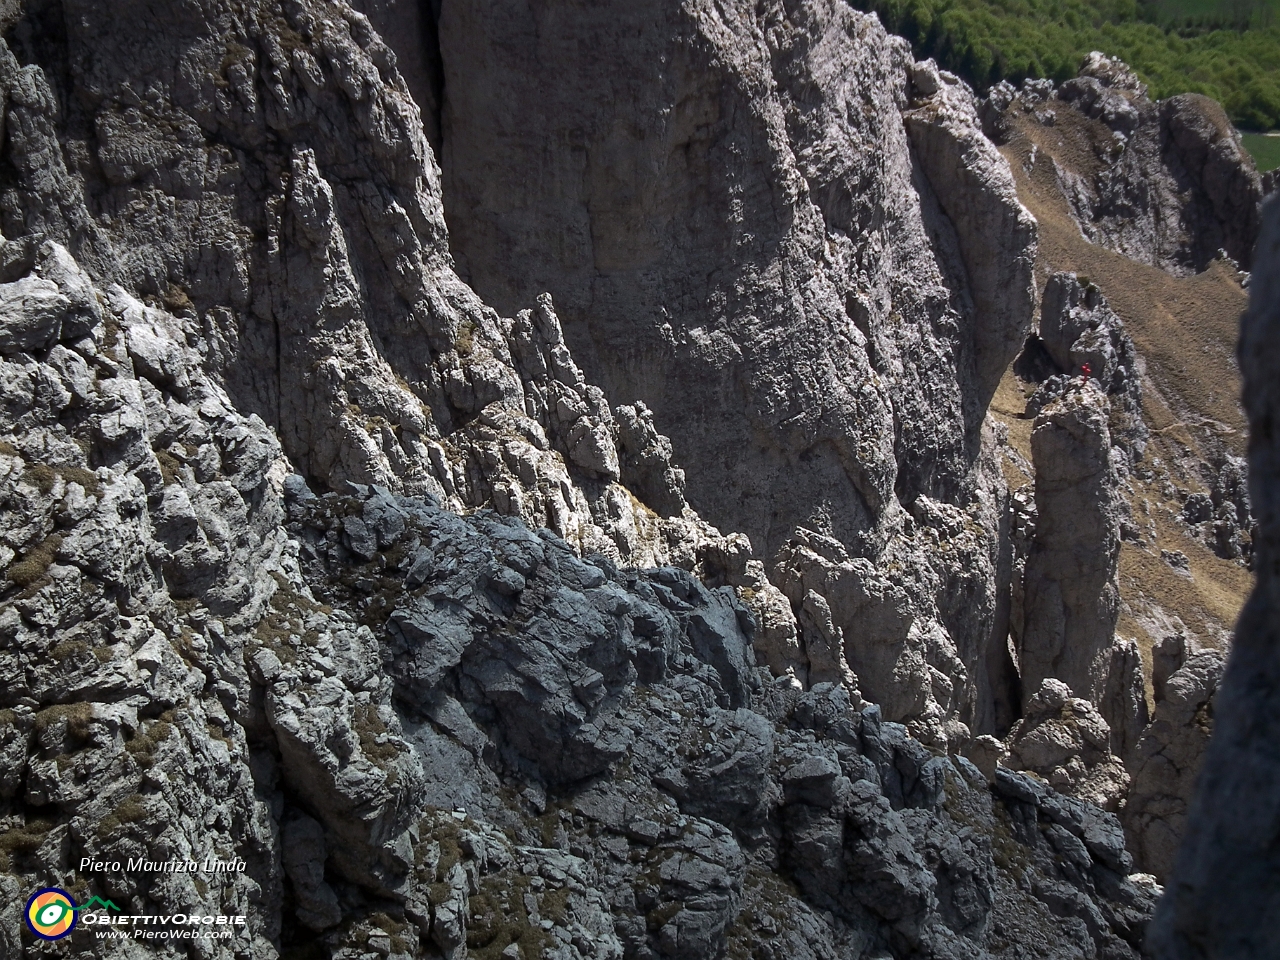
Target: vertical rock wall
[789, 244]
[1071, 598]
[264, 173]
[797, 247]
[1225, 885]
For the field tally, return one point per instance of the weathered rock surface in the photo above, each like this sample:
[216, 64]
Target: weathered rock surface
[1167, 758]
[1175, 493]
[774, 208]
[426, 734]
[131, 723]
[1070, 595]
[975, 189]
[286, 205]
[1166, 183]
[1065, 740]
[1077, 329]
[730, 777]
[315, 560]
[1225, 873]
[1223, 517]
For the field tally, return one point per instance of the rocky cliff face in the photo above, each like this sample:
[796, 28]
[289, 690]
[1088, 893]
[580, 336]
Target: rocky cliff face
[435, 736]
[797, 247]
[316, 559]
[1227, 870]
[1158, 340]
[1168, 757]
[1071, 601]
[286, 207]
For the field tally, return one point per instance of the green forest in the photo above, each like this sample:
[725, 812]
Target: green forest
[1226, 50]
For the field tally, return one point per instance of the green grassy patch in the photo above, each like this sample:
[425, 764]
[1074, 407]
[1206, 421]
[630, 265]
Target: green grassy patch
[41, 477]
[499, 918]
[1265, 150]
[44, 477]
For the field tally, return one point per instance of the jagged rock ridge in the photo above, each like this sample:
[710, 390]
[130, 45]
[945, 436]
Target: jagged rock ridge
[1164, 368]
[208, 655]
[1166, 183]
[292, 220]
[229, 289]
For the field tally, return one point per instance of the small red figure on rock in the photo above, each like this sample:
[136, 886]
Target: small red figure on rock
[1085, 370]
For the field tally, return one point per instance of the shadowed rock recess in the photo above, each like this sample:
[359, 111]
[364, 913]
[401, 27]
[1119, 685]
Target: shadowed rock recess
[1227, 876]
[530, 493]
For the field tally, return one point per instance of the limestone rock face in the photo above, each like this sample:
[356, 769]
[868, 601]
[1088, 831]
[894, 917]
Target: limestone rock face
[438, 733]
[292, 220]
[776, 209]
[653, 670]
[1227, 867]
[996, 234]
[1071, 599]
[1065, 740]
[128, 707]
[315, 559]
[1078, 328]
[409, 28]
[1069, 596]
[1063, 141]
[1168, 757]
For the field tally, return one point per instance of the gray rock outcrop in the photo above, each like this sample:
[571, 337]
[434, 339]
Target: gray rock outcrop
[728, 771]
[1223, 517]
[777, 209]
[1167, 758]
[1078, 328]
[1163, 182]
[330, 308]
[292, 221]
[995, 233]
[1064, 740]
[425, 734]
[1070, 596]
[314, 560]
[1224, 877]
[1065, 138]
[1084, 703]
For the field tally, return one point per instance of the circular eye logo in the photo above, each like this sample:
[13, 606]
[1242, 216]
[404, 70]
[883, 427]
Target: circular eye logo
[51, 914]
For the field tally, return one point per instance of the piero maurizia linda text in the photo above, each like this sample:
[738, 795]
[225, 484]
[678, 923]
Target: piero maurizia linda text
[172, 865]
